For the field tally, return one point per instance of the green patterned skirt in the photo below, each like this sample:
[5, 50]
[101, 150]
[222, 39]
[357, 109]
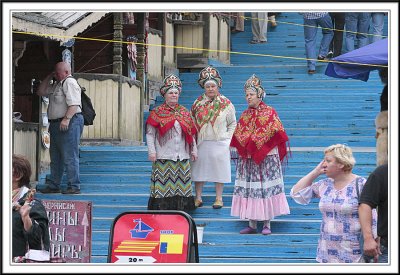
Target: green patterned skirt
[171, 186]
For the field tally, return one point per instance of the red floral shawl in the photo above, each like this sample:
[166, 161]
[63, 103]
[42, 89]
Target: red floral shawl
[163, 118]
[258, 131]
[205, 110]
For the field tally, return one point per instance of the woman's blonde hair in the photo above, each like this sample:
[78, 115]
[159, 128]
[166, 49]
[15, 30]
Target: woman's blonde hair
[343, 154]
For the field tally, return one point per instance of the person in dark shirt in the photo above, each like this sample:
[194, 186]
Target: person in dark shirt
[30, 225]
[383, 74]
[375, 194]
[382, 122]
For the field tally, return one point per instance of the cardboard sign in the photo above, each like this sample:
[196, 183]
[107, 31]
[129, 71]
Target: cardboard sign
[150, 238]
[70, 228]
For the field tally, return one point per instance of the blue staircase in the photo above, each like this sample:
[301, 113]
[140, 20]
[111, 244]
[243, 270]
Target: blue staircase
[316, 111]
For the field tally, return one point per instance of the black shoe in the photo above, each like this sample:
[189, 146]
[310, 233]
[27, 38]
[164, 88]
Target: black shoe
[311, 71]
[320, 57]
[47, 189]
[71, 191]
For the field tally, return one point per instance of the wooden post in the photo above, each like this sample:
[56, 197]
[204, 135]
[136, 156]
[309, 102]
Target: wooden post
[219, 37]
[18, 50]
[141, 54]
[117, 58]
[162, 21]
[117, 64]
[206, 34]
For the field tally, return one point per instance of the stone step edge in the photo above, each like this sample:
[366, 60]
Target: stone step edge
[144, 149]
[233, 220]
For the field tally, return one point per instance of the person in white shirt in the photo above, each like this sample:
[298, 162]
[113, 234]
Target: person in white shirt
[66, 127]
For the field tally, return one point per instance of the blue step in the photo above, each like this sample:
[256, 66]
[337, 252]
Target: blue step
[316, 111]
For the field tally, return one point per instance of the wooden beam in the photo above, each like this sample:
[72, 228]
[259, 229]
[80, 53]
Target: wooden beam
[117, 57]
[141, 53]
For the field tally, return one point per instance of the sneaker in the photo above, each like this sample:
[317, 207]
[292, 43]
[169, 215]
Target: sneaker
[263, 41]
[311, 71]
[330, 54]
[248, 230]
[254, 42]
[266, 230]
[47, 190]
[320, 57]
[71, 191]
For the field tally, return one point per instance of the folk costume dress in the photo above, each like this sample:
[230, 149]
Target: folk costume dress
[215, 122]
[170, 135]
[260, 142]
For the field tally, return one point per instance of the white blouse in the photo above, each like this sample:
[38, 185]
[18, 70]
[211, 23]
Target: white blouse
[174, 148]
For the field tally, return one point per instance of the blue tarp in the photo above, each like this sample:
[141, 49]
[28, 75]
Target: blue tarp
[374, 54]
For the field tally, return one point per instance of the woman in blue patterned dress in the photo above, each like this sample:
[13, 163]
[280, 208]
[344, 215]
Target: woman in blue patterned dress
[339, 240]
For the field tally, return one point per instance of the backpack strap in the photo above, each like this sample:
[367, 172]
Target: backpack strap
[62, 82]
[82, 89]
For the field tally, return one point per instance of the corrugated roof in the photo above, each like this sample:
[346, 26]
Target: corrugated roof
[66, 18]
[55, 25]
[52, 19]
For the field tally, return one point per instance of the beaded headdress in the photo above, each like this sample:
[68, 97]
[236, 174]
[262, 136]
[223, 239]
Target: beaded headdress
[254, 83]
[207, 74]
[171, 82]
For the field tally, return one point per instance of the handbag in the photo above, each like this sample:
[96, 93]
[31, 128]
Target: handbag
[36, 255]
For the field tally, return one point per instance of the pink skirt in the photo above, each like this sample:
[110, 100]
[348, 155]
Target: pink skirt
[259, 192]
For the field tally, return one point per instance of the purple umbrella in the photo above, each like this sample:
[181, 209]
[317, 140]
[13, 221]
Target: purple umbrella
[358, 63]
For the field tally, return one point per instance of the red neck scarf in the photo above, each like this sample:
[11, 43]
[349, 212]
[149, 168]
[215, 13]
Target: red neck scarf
[163, 118]
[258, 131]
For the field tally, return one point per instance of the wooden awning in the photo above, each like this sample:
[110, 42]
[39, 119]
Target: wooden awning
[60, 26]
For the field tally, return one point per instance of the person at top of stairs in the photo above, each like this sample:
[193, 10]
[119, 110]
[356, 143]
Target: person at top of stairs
[215, 120]
[311, 21]
[272, 19]
[339, 193]
[171, 143]
[259, 25]
[261, 143]
[357, 28]
[238, 20]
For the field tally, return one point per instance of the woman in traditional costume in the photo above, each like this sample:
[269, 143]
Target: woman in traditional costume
[171, 145]
[215, 120]
[260, 144]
